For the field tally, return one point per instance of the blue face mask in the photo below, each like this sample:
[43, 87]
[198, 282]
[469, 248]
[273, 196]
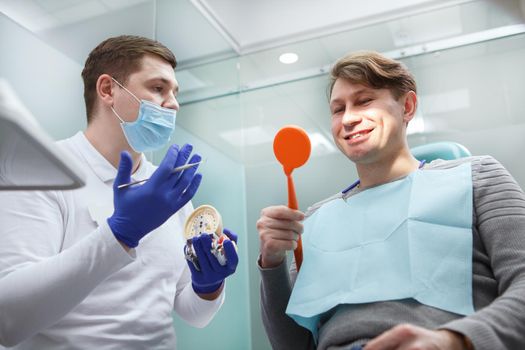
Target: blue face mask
[153, 127]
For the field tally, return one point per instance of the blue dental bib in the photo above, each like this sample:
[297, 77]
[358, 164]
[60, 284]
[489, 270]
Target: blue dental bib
[410, 238]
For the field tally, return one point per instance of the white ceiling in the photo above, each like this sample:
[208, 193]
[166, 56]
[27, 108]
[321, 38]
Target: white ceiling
[252, 25]
[204, 30]
[227, 46]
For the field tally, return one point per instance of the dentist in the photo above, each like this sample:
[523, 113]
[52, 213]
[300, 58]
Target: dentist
[103, 267]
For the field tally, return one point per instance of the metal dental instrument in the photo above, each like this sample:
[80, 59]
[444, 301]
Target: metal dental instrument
[177, 169]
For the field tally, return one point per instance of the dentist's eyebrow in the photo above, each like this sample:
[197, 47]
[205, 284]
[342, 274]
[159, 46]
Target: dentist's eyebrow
[165, 82]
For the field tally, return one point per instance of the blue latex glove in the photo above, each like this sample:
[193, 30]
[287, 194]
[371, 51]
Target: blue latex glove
[141, 209]
[212, 274]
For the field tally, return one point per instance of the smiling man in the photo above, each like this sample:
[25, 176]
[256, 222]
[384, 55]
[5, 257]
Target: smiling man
[409, 256]
[103, 267]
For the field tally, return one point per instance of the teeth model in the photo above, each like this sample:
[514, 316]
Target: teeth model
[205, 220]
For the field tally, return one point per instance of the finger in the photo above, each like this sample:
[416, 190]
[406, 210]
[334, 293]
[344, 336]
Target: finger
[288, 245]
[164, 169]
[282, 212]
[196, 158]
[274, 246]
[392, 339]
[232, 258]
[182, 180]
[269, 224]
[201, 255]
[187, 195]
[282, 235]
[214, 263]
[124, 170]
[230, 235]
[183, 155]
[193, 270]
[289, 235]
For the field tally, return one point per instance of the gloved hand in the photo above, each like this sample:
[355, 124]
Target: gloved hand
[212, 274]
[140, 209]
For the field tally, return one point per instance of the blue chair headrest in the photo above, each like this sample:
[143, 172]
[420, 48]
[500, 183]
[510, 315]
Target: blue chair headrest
[440, 150]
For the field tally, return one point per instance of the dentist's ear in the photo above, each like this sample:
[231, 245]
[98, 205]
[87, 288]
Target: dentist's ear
[409, 106]
[105, 90]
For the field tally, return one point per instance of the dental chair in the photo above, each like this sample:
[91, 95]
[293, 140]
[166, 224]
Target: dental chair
[446, 150]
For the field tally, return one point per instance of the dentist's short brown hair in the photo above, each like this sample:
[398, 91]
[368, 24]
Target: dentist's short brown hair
[119, 57]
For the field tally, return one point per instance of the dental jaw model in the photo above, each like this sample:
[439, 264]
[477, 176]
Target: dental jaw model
[205, 220]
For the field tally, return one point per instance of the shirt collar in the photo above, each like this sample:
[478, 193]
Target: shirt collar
[102, 168]
[355, 185]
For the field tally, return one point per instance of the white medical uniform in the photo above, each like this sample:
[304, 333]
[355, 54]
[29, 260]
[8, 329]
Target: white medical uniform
[66, 282]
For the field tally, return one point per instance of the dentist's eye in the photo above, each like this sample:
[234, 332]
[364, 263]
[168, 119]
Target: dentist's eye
[158, 88]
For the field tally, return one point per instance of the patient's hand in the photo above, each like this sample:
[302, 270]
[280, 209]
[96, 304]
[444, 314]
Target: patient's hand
[279, 229]
[412, 337]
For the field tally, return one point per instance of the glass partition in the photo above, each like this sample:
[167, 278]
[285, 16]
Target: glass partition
[473, 95]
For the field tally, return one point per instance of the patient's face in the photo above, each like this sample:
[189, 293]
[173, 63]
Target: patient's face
[367, 124]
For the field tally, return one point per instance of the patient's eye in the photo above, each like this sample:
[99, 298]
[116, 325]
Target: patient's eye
[337, 109]
[363, 101]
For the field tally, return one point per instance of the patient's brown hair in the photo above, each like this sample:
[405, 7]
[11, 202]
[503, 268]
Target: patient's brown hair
[373, 70]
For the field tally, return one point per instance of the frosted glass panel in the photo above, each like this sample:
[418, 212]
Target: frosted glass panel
[222, 186]
[474, 95]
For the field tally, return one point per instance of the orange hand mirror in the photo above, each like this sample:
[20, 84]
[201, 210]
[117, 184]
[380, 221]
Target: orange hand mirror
[292, 147]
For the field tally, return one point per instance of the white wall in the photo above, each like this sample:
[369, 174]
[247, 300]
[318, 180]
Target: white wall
[47, 81]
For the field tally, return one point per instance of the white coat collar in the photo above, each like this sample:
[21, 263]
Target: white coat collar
[100, 165]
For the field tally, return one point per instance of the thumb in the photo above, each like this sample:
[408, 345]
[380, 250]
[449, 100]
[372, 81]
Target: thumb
[232, 259]
[124, 169]
[232, 236]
